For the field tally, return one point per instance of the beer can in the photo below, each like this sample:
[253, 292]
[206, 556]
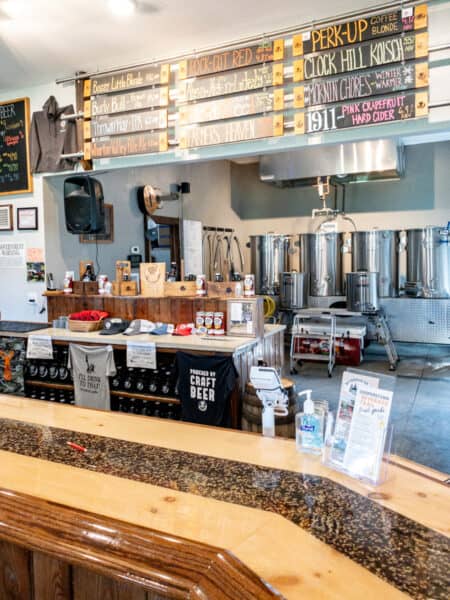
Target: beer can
[218, 320]
[200, 285]
[209, 320]
[249, 285]
[200, 319]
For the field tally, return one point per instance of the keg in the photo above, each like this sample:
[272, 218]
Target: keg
[321, 257]
[362, 291]
[377, 251]
[428, 262]
[294, 290]
[271, 254]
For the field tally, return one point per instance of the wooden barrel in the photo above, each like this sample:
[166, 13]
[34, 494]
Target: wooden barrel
[252, 411]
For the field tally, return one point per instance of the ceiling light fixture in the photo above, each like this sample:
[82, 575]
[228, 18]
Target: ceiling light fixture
[122, 8]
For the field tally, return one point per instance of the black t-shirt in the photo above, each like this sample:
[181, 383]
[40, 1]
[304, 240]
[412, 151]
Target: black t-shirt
[205, 384]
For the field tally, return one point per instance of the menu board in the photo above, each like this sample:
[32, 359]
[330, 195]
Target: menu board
[127, 80]
[228, 60]
[395, 78]
[241, 80]
[375, 111]
[146, 120]
[360, 30]
[362, 56]
[228, 108]
[231, 131]
[125, 145]
[15, 175]
[108, 104]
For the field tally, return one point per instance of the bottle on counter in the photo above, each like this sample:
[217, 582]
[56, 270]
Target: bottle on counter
[310, 426]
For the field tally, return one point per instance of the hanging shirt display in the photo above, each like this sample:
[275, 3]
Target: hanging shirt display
[52, 136]
[91, 366]
[205, 384]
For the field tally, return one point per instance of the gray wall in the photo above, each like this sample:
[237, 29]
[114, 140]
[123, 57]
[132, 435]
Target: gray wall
[252, 199]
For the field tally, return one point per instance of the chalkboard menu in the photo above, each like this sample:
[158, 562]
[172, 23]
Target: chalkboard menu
[365, 71]
[15, 175]
[360, 30]
[377, 111]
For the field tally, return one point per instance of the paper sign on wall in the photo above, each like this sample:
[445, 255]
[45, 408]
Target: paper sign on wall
[192, 247]
[141, 355]
[12, 255]
[35, 255]
[40, 346]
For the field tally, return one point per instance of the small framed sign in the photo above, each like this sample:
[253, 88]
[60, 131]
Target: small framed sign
[6, 217]
[245, 317]
[27, 219]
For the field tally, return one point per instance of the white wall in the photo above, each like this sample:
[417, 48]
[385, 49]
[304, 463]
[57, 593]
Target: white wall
[13, 285]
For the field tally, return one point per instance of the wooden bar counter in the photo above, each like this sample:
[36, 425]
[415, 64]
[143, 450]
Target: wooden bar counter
[172, 510]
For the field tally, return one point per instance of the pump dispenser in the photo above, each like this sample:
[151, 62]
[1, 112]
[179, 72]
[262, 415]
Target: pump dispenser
[310, 426]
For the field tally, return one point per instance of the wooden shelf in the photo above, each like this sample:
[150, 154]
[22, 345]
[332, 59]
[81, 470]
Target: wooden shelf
[129, 395]
[47, 384]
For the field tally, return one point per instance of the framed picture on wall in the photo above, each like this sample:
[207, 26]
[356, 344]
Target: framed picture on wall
[107, 237]
[27, 219]
[6, 217]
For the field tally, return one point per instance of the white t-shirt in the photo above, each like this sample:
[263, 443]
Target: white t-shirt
[91, 366]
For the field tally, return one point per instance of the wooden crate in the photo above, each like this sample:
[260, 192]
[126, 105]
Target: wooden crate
[179, 288]
[85, 288]
[124, 288]
[222, 289]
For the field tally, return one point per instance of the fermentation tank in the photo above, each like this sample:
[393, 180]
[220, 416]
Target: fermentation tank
[271, 254]
[428, 261]
[321, 257]
[377, 251]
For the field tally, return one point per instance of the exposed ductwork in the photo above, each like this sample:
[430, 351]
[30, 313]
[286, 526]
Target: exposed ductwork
[346, 163]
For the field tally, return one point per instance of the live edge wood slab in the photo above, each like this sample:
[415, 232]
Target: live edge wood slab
[172, 510]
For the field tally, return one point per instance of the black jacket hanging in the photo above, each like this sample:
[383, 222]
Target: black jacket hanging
[52, 136]
[205, 384]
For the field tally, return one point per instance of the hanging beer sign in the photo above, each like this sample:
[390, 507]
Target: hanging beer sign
[360, 30]
[363, 56]
[229, 108]
[125, 145]
[231, 131]
[227, 60]
[375, 111]
[107, 125]
[109, 104]
[376, 82]
[241, 80]
[127, 80]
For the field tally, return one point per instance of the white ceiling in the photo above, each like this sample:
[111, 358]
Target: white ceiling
[54, 38]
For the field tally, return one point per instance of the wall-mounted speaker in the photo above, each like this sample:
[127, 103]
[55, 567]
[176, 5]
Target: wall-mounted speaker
[84, 205]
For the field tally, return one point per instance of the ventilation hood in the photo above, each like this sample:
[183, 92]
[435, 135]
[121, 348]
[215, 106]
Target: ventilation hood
[346, 163]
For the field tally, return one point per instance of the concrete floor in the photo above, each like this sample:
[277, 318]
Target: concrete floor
[421, 407]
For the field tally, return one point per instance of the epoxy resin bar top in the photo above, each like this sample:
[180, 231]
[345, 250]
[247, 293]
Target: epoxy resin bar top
[308, 531]
[226, 344]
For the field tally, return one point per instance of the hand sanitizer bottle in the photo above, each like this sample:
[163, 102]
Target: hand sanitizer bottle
[309, 427]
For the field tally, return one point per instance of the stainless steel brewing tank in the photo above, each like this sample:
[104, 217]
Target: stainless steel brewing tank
[362, 292]
[321, 257]
[294, 290]
[428, 261]
[377, 251]
[271, 254]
